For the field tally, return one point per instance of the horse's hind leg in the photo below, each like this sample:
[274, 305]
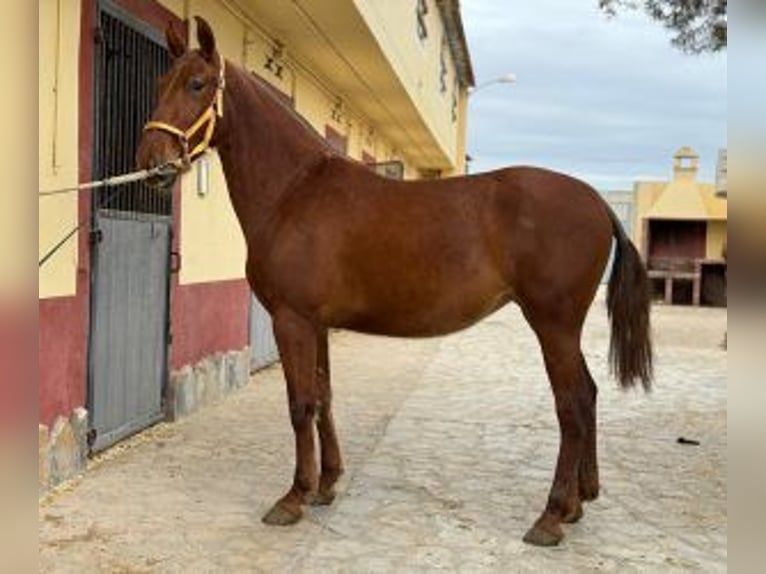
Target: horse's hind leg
[560, 344]
[588, 476]
[332, 464]
[297, 343]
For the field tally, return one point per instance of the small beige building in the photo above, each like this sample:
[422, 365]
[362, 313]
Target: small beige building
[680, 229]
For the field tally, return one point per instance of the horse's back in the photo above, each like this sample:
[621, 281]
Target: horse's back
[420, 258]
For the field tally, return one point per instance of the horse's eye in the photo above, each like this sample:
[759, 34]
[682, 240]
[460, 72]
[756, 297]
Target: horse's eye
[196, 84]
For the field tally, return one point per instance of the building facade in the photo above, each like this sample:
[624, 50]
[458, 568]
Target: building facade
[621, 203]
[680, 228]
[148, 300]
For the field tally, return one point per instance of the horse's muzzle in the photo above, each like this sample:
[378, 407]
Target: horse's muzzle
[165, 176]
[158, 152]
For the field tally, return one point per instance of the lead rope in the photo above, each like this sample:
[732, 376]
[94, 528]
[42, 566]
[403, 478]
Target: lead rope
[140, 175]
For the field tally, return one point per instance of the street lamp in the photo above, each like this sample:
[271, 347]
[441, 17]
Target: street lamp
[509, 78]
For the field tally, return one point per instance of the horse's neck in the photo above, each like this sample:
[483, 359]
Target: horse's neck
[264, 147]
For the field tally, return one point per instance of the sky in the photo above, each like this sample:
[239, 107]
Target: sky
[605, 100]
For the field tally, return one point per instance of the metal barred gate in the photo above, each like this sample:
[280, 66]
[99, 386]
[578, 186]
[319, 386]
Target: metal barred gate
[130, 238]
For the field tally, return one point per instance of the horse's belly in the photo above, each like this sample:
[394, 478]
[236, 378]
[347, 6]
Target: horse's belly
[437, 316]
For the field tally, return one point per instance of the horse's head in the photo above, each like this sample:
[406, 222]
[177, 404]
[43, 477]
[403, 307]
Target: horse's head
[189, 102]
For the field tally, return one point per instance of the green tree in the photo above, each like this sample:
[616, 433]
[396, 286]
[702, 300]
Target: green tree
[698, 26]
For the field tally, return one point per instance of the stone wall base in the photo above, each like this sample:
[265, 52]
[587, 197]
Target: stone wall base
[195, 386]
[62, 451]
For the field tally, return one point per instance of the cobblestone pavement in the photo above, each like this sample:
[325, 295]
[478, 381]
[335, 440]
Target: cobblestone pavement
[449, 448]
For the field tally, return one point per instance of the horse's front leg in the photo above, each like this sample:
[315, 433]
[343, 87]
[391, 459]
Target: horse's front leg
[297, 342]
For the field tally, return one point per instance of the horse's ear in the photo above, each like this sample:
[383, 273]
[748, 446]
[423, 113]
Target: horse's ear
[176, 41]
[205, 38]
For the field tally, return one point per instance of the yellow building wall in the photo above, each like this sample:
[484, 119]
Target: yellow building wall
[314, 100]
[58, 62]
[315, 106]
[644, 193]
[256, 51]
[716, 239]
[462, 131]
[416, 62]
[175, 6]
[362, 140]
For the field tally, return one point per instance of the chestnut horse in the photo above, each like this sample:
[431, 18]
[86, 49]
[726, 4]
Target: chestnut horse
[332, 244]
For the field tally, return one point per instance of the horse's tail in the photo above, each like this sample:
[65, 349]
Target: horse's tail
[628, 300]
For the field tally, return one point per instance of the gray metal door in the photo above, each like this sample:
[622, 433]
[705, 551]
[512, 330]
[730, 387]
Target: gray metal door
[130, 237]
[263, 347]
[129, 326]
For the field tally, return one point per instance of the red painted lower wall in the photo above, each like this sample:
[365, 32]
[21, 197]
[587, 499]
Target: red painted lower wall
[62, 356]
[207, 318]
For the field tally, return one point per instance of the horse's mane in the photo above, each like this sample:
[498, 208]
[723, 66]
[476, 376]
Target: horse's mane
[279, 98]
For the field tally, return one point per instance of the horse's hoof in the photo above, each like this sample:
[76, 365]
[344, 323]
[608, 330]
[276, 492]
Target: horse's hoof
[573, 516]
[588, 492]
[544, 535]
[281, 515]
[322, 498]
